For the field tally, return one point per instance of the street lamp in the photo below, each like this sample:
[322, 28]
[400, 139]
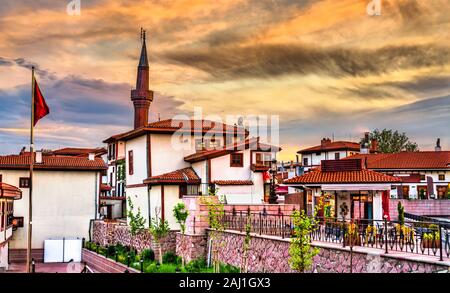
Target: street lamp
[273, 195]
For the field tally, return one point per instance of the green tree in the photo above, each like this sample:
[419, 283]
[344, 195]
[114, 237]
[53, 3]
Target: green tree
[300, 250]
[216, 223]
[180, 213]
[136, 221]
[390, 141]
[159, 230]
[401, 213]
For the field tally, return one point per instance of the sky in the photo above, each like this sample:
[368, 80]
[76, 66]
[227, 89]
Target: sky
[326, 68]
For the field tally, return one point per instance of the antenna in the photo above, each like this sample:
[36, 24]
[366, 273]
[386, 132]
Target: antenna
[159, 117]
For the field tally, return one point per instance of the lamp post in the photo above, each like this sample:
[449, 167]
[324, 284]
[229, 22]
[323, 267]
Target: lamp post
[273, 196]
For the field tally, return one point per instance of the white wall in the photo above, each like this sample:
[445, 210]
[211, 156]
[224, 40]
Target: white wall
[315, 160]
[4, 257]
[166, 158]
[139, 147]
[413, 191]
[140, 200]
[63, 204]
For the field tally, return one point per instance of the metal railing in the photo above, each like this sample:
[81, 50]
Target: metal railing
[417, 237]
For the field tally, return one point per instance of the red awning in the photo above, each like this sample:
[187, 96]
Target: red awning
[10, 191]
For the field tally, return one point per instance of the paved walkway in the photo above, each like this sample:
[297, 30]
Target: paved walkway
[48, 268]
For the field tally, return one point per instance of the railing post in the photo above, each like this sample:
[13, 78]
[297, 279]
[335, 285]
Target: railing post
[385, 235]
[116, 255]
[440, 243]
[344, 227]
[33, 266]
[142, 265]
[240, 221]
[128, 259]
[83, 242]
[282, 225]
[260, 223]
[194, 225]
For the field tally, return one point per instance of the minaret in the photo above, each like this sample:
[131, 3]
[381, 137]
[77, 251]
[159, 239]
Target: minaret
[142, 96]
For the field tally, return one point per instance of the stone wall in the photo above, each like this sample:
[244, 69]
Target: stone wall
[271, 254]
[101, 264]
[110, 233]
[425, 207]
[191, 247]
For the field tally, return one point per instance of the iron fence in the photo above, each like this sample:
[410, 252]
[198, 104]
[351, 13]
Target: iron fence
[417, 237]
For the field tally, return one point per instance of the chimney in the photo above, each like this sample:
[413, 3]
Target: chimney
[325, 141]
[91, 157]
[438, 148]
[374, 146]
[364, 149]
[38, 157]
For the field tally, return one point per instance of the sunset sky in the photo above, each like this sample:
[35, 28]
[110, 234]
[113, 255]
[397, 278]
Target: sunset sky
[325, 67]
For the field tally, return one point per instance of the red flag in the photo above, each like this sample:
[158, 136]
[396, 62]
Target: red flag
[40, 106]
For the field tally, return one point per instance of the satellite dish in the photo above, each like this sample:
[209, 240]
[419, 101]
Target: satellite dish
[241, 121]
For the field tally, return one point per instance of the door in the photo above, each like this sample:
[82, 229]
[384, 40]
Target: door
[109, 212]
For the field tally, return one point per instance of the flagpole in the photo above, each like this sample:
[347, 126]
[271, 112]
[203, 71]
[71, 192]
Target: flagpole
[30, 198]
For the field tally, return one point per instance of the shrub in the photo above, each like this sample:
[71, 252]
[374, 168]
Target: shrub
[226, 268]
[196, 265]
[122, 258]
[132, 254]
[111, 250]
[170, 258]
[167, 268]
[151, 268]
[120, 248]
[148, 255]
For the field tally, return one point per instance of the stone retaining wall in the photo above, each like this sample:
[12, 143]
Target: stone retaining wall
[191, 247]
[421, 207]
[271, 254]
[110, 233]
[101, 264]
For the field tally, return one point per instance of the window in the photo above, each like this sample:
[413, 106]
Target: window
[441, 177]
[237, 160]
[24, 182]
[318, 153]
[188, 190]
[305, 161]
[337, 156]
[199, 145]
[112, 151]
[1, 178]
[442, 191]
[422, 177]
[212, 144]
[130, 163]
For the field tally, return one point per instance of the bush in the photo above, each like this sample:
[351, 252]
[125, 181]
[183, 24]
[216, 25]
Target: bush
[226, 268]
[111, 250]
[151, 268]
[120, 248]
[132, 254]
[171, 258]
[148, 255]
[196, 265]
[167, 268]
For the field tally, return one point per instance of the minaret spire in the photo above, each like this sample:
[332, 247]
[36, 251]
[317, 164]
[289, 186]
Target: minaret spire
[142, 96]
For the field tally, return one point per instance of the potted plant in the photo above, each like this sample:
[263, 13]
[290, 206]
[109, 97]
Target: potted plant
[351, 237]
[431, 239]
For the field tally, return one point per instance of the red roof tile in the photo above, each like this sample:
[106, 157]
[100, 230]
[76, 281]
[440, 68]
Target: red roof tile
[342, 177]
[52, 163]
[406, 160]
[251, 143]
[172, 125]
[233, 182]
[332, 146]
[186, 175]
[78, 151]
[7, 190]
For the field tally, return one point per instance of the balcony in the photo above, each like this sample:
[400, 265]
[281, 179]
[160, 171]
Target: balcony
[261, 167]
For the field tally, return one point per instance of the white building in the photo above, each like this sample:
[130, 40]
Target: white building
[424, 175]
[8, 194]
[167, 159]
[327, 150]
[66, 194]
[347, 190]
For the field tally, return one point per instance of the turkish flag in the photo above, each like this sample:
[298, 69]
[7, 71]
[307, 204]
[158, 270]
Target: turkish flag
[40, 106]
[385, 204]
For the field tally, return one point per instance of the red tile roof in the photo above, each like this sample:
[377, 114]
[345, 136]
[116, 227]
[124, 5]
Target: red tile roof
[186, 175]
[52, 163]
[342, 177]
[251, 143]
[7, 190]
[332, 146]
[172, 125]
[79, 151]
[406, 160]
[233, 182]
